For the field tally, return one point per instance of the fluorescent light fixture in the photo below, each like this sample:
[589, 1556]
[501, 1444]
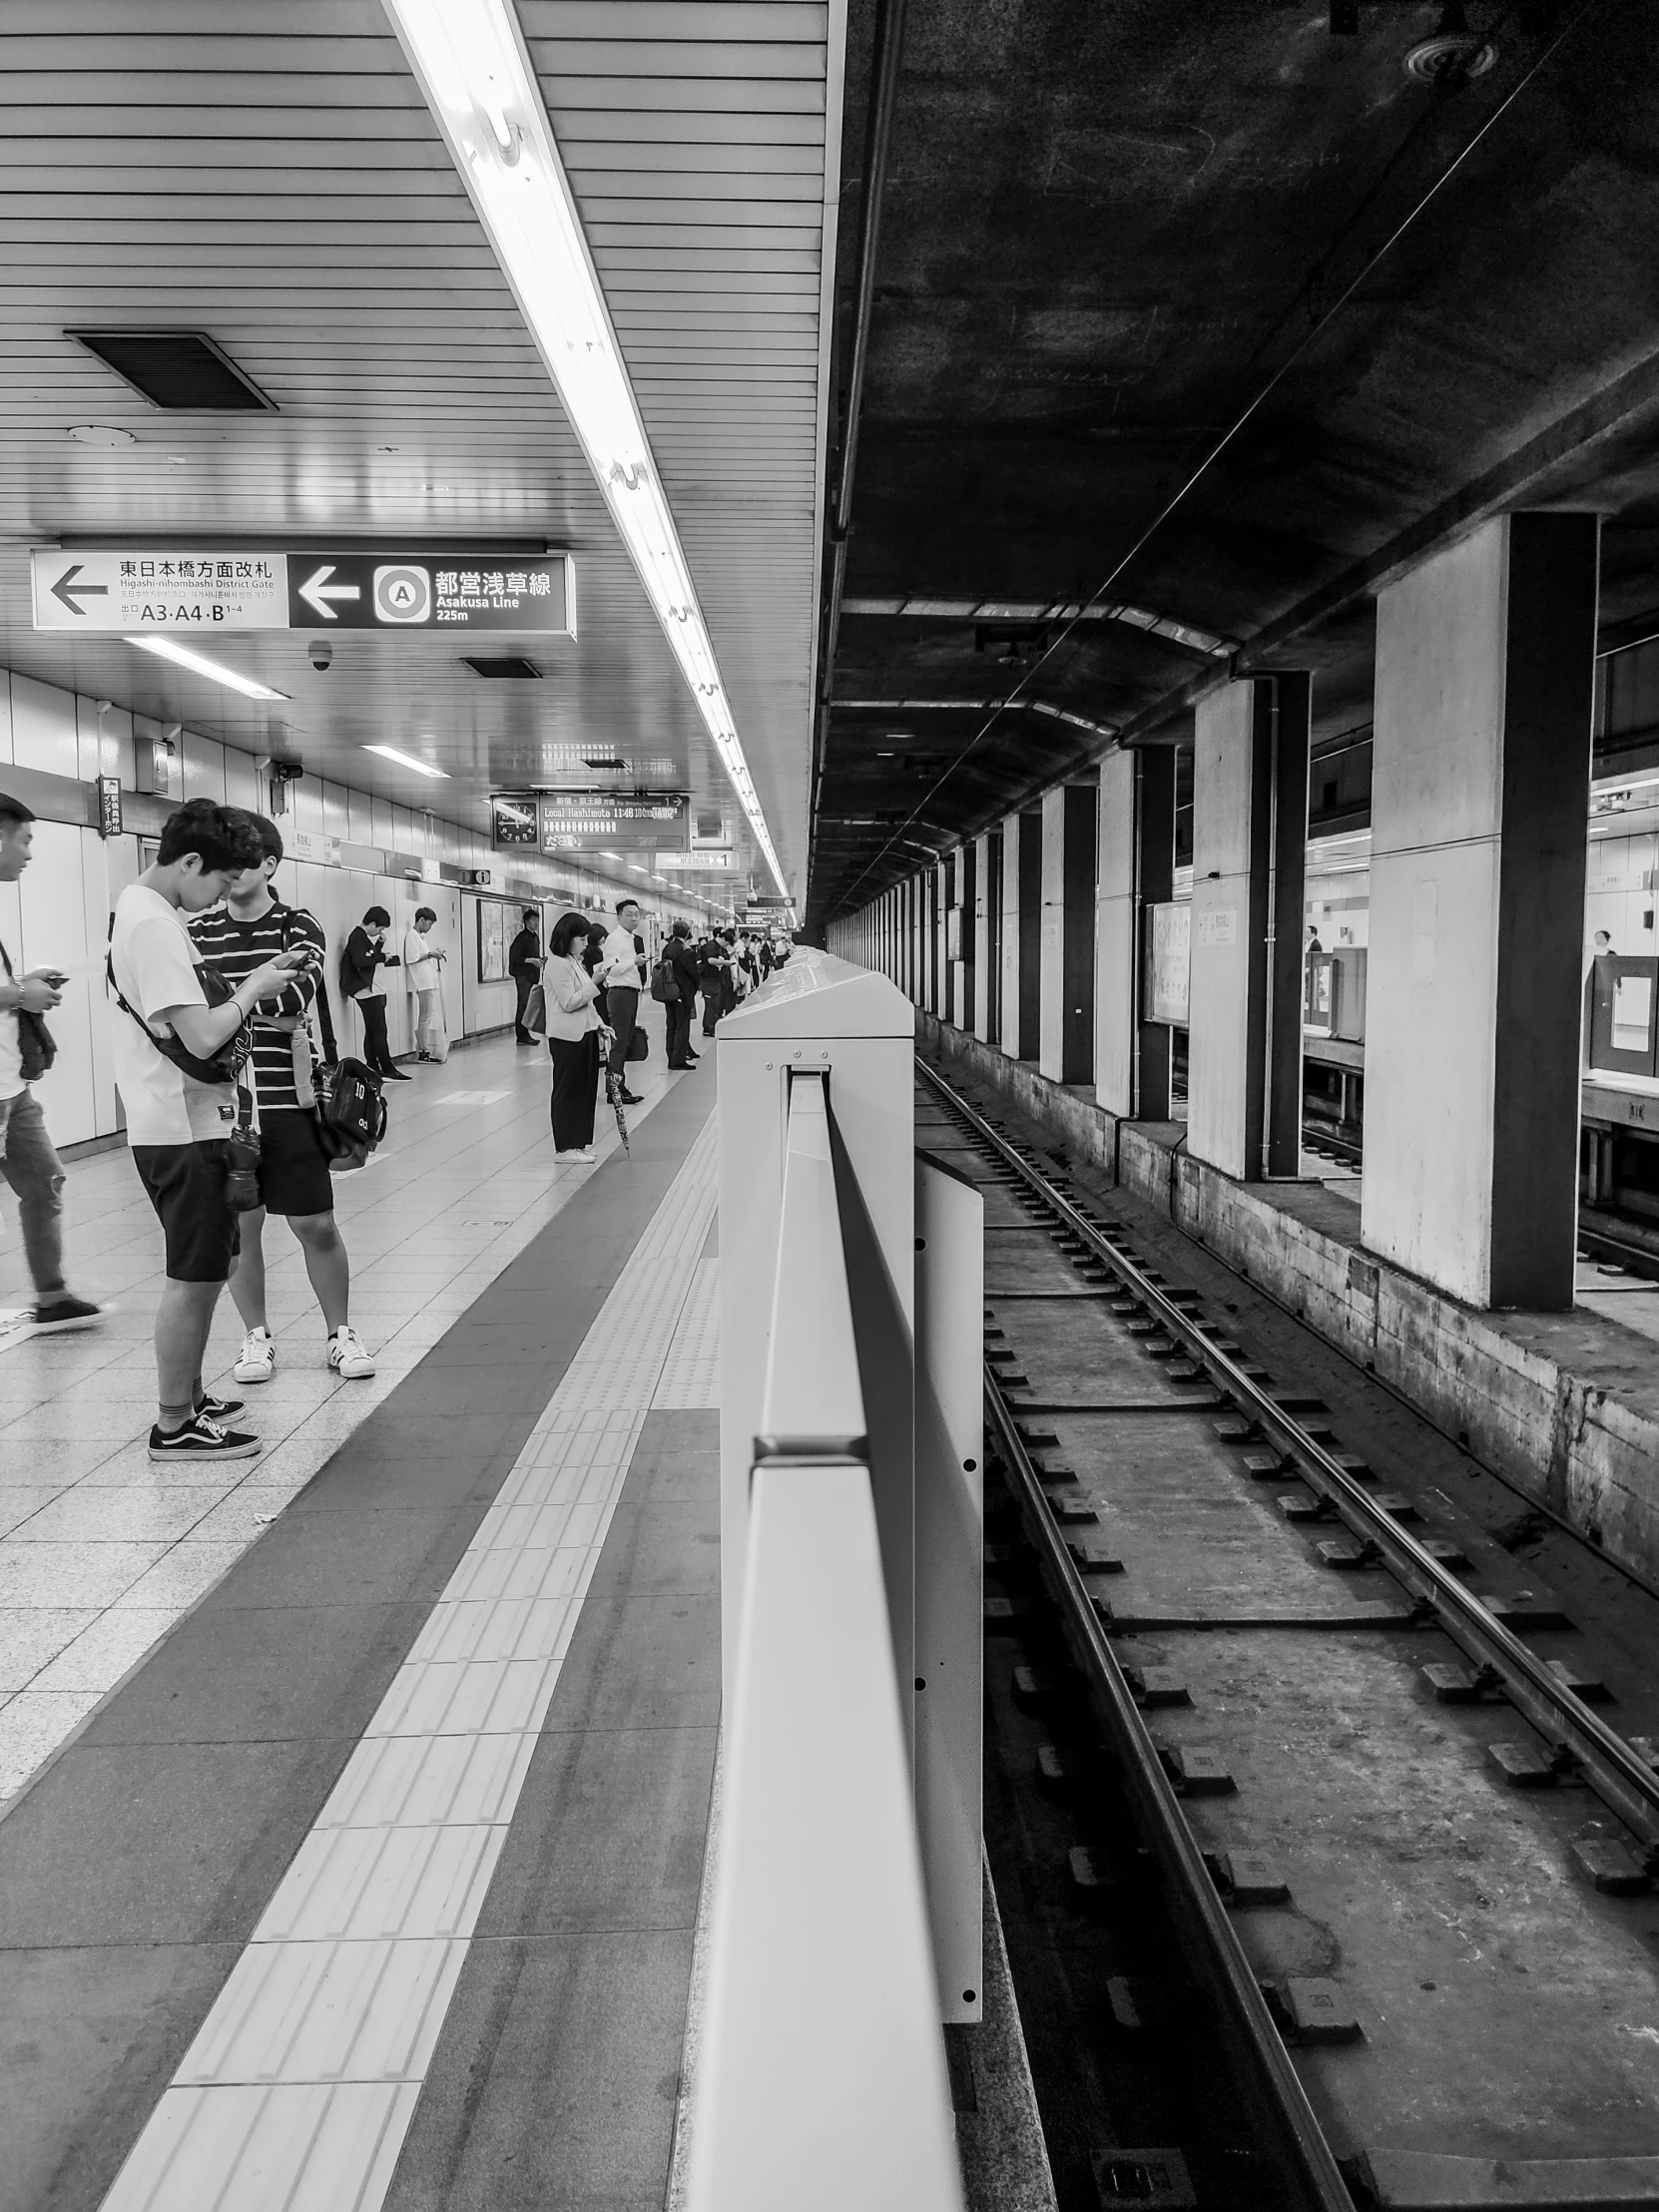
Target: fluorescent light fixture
[471, 59]
[406, 760]
[199, 665]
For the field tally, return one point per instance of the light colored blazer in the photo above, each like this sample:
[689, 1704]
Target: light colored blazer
[569, 991]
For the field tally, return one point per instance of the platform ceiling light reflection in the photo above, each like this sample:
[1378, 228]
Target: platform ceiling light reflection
[407, 760]
[472, 66]
[199, 665]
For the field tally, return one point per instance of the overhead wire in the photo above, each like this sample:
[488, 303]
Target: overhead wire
[1250, 409]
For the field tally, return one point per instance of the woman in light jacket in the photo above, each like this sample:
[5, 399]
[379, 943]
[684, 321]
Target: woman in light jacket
[572, 1033]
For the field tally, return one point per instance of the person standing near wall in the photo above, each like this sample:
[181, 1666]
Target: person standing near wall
[524, 966]
[710, 976]
[236, 940]
[30, 1166]
[177, 1120]
[422, 960]
[360, 964]
[621, 975]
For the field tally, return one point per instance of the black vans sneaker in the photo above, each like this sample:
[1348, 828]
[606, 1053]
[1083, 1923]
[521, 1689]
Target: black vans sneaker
[66, 1312]
[220, 1409]
[202, 1438]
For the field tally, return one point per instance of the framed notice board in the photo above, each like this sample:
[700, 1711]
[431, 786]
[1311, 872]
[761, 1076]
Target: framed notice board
[494, 937]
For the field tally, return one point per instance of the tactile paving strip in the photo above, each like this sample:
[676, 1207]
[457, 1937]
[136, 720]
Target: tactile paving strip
[691, 1373]
[300, 2087]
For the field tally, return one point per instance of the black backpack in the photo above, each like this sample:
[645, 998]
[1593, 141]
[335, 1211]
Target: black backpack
[664, 989]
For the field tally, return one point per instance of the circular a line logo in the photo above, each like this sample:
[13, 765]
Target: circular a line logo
[403, 593]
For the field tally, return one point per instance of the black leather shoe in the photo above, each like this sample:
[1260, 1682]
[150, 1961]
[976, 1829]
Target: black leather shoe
[397, 1075]
[631, 1098]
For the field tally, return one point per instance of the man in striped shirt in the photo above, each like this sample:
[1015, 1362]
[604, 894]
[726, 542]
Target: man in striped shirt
[249, 929]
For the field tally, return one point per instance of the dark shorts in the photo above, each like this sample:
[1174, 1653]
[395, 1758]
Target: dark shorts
[186, 1182]
[293, 1173]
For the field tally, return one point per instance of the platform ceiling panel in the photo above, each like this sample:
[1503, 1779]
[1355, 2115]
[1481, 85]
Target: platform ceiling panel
[274, 179]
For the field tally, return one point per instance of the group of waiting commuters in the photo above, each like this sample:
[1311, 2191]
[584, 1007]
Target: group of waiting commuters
[216, 984]
[590, 979]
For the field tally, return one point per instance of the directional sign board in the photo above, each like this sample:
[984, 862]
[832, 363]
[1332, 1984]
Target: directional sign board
[134, 589]
[589, 822]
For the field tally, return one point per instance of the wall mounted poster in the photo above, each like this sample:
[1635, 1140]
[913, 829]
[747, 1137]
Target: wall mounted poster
[493, 940]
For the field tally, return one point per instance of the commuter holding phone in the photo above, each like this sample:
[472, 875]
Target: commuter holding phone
[30, 1164]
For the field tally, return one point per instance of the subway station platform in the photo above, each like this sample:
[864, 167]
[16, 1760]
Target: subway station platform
[358, 1796]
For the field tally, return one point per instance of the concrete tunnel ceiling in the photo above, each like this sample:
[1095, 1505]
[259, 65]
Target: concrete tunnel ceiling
[1103, 232]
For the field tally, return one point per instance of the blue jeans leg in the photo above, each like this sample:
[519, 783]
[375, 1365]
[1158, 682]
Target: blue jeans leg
[36, 1174]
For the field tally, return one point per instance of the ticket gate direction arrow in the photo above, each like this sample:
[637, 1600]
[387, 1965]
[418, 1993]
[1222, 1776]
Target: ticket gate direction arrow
[317, 591]
[69, 592]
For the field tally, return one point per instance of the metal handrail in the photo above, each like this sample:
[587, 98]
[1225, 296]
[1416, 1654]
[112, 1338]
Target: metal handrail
[820, 2079]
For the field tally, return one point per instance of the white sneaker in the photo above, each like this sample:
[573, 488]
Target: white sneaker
[350, 1356]
[579, 1153]
[256, 1362]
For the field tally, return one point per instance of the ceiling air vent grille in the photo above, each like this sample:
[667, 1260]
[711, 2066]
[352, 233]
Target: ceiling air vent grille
[177, 369]
[501, 665]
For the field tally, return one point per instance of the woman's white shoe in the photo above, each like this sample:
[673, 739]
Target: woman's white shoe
[257, 1361]
[350, 1356]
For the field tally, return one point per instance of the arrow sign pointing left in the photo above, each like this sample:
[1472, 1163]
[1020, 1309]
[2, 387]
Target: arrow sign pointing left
[317, 591]
[71, 592]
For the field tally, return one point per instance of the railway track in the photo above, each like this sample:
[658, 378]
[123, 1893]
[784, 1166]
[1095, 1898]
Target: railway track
[1370, 1794]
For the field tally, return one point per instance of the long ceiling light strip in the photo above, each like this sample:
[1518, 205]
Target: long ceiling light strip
[216, 671]
[472, 63]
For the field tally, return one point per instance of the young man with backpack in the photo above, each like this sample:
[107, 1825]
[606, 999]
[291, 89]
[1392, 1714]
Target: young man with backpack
[170, 1035]
[249, 929]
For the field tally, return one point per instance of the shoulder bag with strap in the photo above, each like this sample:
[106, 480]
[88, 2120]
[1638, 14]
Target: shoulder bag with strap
[35, 1045]
[225, 1063]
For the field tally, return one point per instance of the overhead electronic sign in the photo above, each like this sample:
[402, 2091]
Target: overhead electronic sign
[131, 589]
[589, 822]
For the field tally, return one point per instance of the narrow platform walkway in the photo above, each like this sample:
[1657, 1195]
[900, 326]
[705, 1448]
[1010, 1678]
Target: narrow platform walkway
[237, 1908]
[99, 1550]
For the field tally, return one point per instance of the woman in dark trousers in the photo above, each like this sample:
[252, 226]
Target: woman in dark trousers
[573, 1035]
[682, 965]
[366, 954]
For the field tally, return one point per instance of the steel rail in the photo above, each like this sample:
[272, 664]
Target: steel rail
[1271, 2085]
[1582, 1741]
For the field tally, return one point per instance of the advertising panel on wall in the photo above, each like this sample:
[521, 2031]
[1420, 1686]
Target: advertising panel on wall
[497, 927]
[590, 822]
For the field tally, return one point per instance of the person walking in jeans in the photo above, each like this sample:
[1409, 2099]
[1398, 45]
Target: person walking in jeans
[365, 953]
[30, 1164]
[619, 977]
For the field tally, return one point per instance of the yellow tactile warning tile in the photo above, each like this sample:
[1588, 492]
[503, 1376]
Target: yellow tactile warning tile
[298, 2092]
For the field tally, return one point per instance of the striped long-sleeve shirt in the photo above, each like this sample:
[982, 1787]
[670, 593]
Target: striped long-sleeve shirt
[235, 948]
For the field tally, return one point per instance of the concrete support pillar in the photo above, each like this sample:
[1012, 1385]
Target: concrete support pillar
[1115, 938]
[1154, 887]
[1250, 832]
[1021, 982]
[1066, 1036]
[942, 939]
[985, 937]
[967, 905]
[1485, 661]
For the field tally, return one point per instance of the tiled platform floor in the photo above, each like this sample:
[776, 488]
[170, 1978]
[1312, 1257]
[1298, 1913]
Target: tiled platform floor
[101, 1551]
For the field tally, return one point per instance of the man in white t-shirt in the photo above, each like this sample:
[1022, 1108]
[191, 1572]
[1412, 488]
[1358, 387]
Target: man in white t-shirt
[621, 975]
[30, 1162]
[177, 1124]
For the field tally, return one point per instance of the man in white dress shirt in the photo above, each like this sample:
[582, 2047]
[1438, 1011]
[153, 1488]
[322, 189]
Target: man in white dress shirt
[620, 974]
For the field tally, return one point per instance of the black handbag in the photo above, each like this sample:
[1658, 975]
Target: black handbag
[350, 1112]
[639, 1045]
[225, 1064]
[36, 1046]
